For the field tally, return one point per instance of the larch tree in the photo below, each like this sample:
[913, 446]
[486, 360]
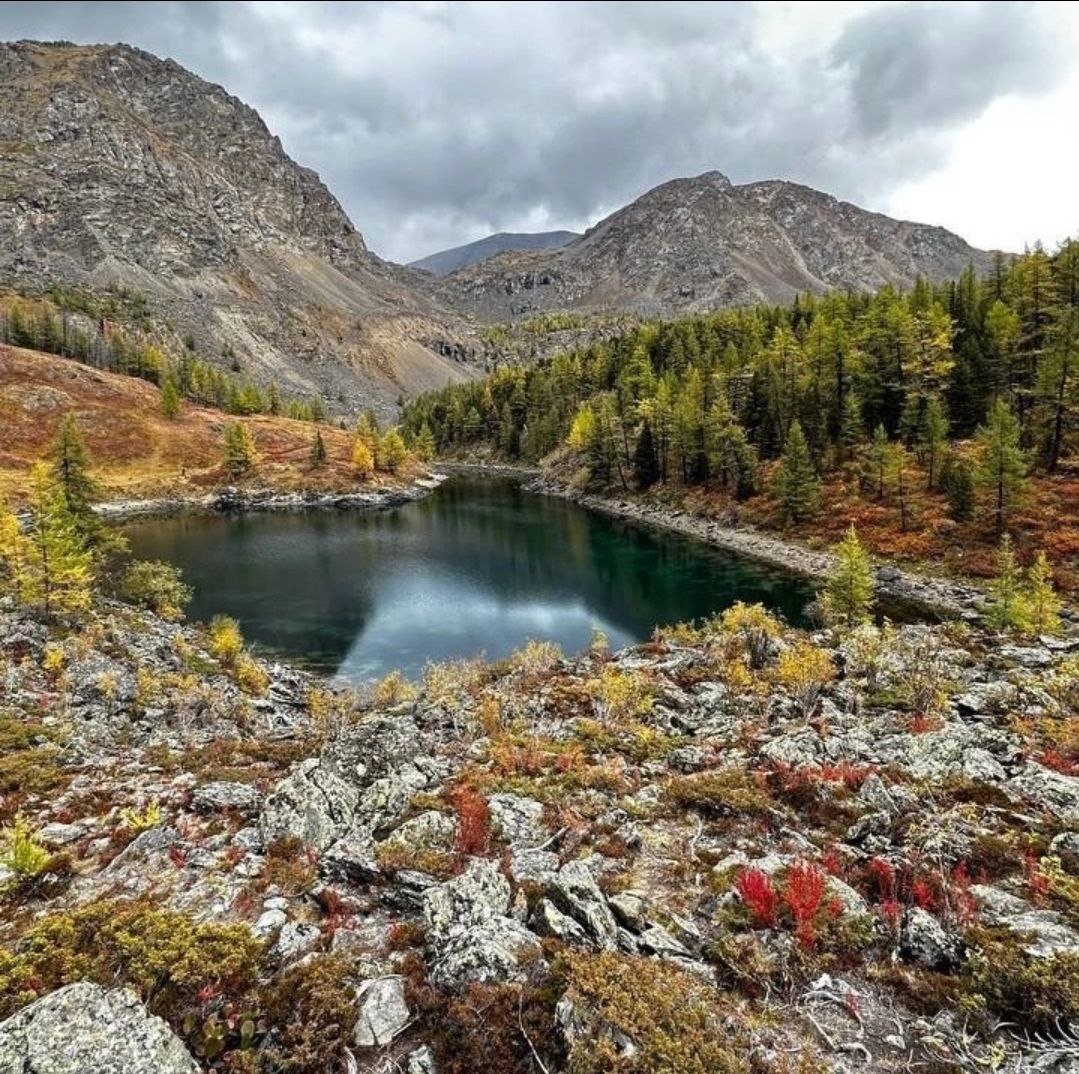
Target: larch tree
[1003, 464]
[1007, 608]
[1042, 603]
[391, 452]
[241, 455]
[363, 458]
[849, 592]
[57, 566]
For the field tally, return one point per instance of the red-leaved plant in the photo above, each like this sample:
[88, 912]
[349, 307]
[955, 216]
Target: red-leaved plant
[759, 895]
[473, 820]
[803, 893]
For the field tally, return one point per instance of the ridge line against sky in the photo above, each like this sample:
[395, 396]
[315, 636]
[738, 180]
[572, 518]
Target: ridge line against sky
[436, 124]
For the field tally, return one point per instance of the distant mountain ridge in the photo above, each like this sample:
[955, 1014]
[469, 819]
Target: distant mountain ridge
[472, 253]
[119, 168]
[701, 243]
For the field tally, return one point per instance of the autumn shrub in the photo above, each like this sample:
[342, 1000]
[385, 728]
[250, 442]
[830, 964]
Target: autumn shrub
[158, 586]
[803, 891]
[163, 955]
[393, 689]
[21, 852]
[490, 1028]
[621, 695]
[473, 820]
[723, 792]
[312, 1013]
[805, 670]
[756, 629]
[224, 640]
[250, 676]
[141, 820]
[536, 657]
[675, 1022]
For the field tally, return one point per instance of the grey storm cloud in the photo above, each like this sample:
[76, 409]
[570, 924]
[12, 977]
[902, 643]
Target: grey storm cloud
[435, 124]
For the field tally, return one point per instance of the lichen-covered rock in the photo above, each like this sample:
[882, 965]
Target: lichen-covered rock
[383, 1011]
[1045, 932]
[519, 820]
[386, 800]
[468, 930]
[925, 940]
[226, 795]
[429, 829]
[1051, 790]
[85, 1029]
[575, 891]
[312, 804]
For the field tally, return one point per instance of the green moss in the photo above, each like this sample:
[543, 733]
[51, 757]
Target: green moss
[677, 1023]
[725, 792]
[1036, 993]
[165, 956]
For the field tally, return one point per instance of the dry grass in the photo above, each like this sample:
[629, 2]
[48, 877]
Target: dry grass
[138, 452]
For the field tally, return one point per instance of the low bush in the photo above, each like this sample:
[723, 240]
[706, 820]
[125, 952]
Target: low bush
[158, 586]
[724, 792]
[676, 1022]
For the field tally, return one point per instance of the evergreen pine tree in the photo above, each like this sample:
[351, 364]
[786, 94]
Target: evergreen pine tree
[849, 593]
[957, 480]
[645, 462]
[851, 426]
[1003, 466]
[71, 467]
[273, 398]
[425, 447]
[879, 454]
[933, 437]
[799, 487]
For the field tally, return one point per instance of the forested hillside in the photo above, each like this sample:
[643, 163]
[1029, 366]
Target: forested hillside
[949, 410]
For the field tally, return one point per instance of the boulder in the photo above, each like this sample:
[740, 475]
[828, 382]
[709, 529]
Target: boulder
[224, 794]
[383, 1012]
[430, 829]
[468, 930]
[519, 820]
[86, 1029]
[550, 921]
[575, 891]
[925, 940]
[1046, 933]
[312, 804]
[421, 1061]
[387, 799]
[1052, 791]
[296, 939]
[352, 857]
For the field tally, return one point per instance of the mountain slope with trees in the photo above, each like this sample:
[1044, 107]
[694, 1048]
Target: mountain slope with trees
[935, 419]
[122, 170]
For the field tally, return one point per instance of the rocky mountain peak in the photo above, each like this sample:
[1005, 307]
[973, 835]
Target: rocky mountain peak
[118, 168]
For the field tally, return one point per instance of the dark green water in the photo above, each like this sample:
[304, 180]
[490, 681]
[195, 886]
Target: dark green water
[480, 566]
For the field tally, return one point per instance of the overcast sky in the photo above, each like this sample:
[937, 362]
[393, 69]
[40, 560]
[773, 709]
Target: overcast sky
[438, 123]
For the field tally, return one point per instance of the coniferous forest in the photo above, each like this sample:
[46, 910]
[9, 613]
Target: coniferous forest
[941, 403]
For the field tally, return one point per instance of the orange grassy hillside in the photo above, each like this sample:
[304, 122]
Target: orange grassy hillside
[136, 450]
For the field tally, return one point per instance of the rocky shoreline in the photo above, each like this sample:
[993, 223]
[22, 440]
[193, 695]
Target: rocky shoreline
[938, 596]
[235, 500]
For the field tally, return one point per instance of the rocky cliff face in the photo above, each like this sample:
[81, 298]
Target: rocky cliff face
[118, 168]
[701, 243]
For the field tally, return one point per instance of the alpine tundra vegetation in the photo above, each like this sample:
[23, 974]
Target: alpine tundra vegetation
[828, 823]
